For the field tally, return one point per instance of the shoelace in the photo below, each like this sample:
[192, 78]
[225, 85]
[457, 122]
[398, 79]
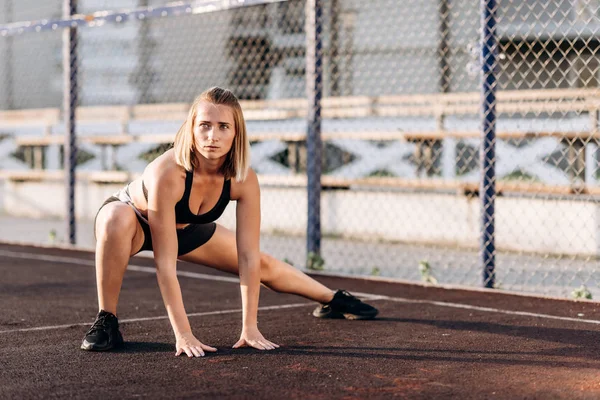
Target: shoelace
[100, 324]
[350, 298]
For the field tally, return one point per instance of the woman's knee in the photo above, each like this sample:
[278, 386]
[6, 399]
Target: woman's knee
[116, 220]
[267, 267]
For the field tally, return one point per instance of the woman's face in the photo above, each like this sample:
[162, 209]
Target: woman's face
[214, 130]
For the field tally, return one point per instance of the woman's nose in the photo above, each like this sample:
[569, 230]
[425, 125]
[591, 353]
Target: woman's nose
[210, 134]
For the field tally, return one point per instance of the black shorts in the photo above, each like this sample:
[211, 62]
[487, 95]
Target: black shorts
[188, 239]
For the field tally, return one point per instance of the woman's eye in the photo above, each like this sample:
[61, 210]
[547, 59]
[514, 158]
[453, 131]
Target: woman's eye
[203, 125]
[224, 127]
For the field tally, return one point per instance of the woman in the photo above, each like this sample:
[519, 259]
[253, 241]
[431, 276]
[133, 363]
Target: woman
[171, 210]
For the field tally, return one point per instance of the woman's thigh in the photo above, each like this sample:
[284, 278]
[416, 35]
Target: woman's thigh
[119, 221]
[219, 252]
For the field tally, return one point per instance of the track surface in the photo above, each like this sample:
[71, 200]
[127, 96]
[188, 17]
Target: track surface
[427, 343]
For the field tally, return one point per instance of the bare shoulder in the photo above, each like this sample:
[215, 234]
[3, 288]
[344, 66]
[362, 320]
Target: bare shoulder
[164, 175]
[247, 188]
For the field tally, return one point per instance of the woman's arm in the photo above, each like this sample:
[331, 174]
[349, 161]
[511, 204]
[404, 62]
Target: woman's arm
[248, 249]
[164, 191]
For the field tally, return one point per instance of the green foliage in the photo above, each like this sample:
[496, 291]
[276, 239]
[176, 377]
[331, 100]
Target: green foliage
[52, 236]
[520, 175]
[382, 173]
[25, 154]
[375, 271]
[315, 262]
[152, 154]
[426, 272]
[287, 261]
[581, 293]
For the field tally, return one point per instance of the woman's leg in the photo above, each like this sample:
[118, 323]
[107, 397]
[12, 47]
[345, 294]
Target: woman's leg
[118, 237]
[220, 252]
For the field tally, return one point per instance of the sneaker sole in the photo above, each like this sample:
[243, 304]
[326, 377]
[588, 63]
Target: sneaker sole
[352, 317]
[355, 317]
[90, 347]
[330, 315]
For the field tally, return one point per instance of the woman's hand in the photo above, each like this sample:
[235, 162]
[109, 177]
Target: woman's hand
[251, 337]
[187, 342]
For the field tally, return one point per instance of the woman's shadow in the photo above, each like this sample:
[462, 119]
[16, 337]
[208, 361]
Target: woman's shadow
[146, 347]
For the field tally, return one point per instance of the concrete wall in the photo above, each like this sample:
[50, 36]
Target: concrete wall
[546, 226]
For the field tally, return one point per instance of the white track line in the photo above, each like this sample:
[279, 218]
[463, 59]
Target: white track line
[486, 309]
[124, 321]
[137, 268]
[45, 257]
[367, 296]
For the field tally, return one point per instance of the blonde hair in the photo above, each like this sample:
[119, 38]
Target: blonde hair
[237, 161]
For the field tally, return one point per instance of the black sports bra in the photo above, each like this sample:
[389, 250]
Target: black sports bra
[183, 215]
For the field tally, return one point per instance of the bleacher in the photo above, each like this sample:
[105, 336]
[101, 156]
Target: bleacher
[541, 103]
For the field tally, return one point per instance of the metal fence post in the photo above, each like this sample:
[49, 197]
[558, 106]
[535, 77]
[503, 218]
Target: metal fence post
[69, 105]
[314, 91]
[9, 60]
[444, 47]
[487, 190]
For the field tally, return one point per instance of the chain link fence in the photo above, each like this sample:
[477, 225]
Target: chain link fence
[401, 124]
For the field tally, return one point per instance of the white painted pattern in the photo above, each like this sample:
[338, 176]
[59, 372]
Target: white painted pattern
[368, 158]
[371, 158]
[528, 159]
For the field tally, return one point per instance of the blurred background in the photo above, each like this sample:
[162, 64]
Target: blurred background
[401, 121]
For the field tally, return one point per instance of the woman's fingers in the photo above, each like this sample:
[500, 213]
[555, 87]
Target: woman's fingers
[193, 348]
[192, 351]
[263, 344]
[267, 345]
[275, 345]
[252, 343]
[207, 348]
[258, 345]
[197, 351]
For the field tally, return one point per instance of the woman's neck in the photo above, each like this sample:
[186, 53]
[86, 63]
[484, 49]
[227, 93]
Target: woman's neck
[208, 167]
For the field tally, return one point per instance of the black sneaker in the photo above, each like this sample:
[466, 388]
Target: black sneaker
[104, 334]
[344, 305]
